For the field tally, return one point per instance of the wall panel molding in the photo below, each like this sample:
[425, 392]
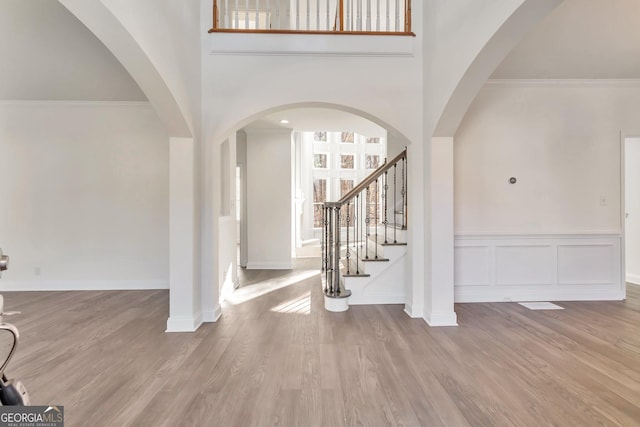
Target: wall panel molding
[560, 267]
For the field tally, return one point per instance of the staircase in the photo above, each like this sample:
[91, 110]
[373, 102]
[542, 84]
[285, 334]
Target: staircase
[364, 241]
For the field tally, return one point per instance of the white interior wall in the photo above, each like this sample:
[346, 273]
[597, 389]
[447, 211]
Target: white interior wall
[269, 197]
[562, 143]
[85, 196]
[632, 209]
[47, 54]
[556, 233]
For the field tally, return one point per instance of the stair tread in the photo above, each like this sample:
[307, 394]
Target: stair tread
[371, 253]
[389, 242]
[352, 270]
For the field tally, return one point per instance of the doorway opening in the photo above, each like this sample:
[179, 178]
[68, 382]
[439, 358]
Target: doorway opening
[632, 209]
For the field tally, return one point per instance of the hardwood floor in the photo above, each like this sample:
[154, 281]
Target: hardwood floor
[276, 358]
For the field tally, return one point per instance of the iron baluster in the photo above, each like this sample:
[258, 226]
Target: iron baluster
[376, 214]
[367, 220]
[358, 231]
[385, 203]
[329, 250]
[403, 192]
[336, 267]
[348, 254]
[395, 190]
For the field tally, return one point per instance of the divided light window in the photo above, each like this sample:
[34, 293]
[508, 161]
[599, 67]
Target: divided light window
[320, 161]
[319, 197]
[338, 161]
[347, 161]
[373, 162]
[320, 136]
[346, 185]
[347, 137]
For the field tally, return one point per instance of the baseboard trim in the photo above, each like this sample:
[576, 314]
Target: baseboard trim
[408, 308]
[539, 295]
[269, 266]
[376, 299]
[83, 285]
[633, 278]
[184, 323]
[443, 318]
[212, 315]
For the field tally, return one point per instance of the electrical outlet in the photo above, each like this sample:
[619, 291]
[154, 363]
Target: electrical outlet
[36, 271]
[603, 200]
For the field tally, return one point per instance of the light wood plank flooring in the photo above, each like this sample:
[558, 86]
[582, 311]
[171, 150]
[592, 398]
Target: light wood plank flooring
[276, 358]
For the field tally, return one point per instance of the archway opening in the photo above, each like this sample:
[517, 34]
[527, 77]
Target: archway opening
[287, 162]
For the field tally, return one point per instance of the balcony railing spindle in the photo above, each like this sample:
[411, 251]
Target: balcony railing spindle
[257, 13]
[246, 14]
[388, 15]
[397, 4]
[267, 24]
[297, 14]
[328, 16]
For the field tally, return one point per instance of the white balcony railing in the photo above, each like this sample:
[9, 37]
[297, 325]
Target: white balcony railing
[313, 16]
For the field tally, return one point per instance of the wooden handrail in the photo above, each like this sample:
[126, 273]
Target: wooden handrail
[371, 178]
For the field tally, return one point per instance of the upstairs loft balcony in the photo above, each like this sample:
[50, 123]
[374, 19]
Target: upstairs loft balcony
[356, 17]
[310, 26]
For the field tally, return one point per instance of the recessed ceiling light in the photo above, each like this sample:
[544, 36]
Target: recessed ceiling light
[284, 121]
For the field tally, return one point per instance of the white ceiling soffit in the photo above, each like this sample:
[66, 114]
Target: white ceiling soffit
[581, 39]
[319, 119]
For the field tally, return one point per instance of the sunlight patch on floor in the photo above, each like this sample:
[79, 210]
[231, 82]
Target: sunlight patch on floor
[299, 305]
[247, 293]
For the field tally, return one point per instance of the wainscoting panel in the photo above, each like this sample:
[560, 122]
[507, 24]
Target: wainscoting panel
[586, 264]
[472, 265]
[490, 268]
[522, 265]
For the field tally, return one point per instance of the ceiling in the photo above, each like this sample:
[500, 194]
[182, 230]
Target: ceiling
[318, 119]
[580, 39]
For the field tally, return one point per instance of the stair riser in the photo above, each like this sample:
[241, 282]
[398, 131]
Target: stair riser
[382, 287]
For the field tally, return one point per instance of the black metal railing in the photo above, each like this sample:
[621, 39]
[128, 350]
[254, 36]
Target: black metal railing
[358, 223]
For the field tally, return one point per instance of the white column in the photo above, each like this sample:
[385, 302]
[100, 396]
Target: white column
[439, 292]
[184, 293]
[417, 227]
